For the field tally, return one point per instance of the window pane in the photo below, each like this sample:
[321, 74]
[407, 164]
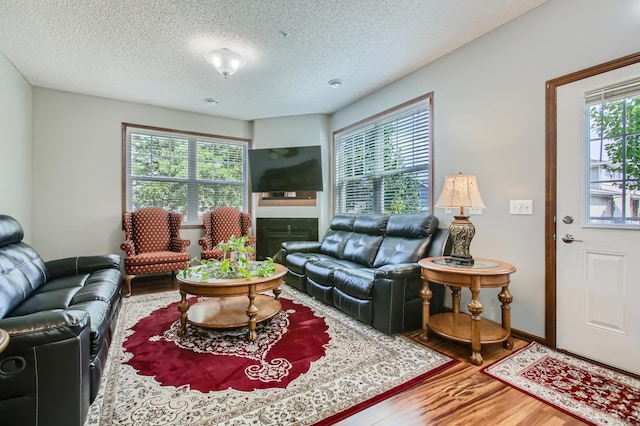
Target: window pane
[614, 145]
[169, 195]
[384, 166]
[184, 173]
[212, 196]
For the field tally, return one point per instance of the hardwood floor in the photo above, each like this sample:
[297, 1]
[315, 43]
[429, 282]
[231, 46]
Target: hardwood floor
[460, 395]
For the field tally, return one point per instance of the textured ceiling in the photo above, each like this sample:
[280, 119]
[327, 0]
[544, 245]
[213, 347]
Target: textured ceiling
[152, 51]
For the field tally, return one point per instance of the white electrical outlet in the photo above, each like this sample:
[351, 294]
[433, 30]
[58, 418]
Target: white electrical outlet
[521, 207]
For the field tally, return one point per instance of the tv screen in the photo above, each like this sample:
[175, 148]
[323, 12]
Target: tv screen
[285, 169]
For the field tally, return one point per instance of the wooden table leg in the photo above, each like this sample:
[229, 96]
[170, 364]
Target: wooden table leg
[252, 311]
[506, 298]
[475, 308]
[276, 292]
[183, 307]
[426, 294]
[455, 299]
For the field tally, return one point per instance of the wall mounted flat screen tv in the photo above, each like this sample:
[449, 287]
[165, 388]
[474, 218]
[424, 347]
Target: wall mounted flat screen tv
[287, 169]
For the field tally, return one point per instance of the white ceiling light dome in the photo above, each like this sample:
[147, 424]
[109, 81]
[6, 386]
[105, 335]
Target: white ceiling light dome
[226, 61]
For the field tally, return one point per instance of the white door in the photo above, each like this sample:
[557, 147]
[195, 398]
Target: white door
[598, 278]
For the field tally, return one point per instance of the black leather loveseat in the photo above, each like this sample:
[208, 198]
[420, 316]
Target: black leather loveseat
[60, 316]
[366, 266]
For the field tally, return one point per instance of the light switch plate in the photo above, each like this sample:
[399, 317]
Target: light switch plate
[521, 207]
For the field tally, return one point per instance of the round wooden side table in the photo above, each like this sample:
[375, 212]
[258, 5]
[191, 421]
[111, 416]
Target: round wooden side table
[463, 327]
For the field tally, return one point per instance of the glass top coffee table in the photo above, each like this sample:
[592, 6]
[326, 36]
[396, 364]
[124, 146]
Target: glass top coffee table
[230, 303]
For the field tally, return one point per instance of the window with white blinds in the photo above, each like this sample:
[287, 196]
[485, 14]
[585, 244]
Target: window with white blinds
[190, 173]
[383, 164]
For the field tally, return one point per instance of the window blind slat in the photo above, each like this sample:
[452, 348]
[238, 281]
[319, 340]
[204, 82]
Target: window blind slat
[383, 166]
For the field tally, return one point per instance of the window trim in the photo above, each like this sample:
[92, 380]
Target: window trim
[369, 120]
[125, 159]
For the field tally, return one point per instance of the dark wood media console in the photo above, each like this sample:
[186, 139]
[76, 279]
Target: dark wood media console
[271, 232]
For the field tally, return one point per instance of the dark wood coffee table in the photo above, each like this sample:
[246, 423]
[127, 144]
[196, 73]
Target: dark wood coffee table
[230, 303]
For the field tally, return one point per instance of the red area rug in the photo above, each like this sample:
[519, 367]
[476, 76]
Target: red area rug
[593, 394]
[311, 365]
[267, 362]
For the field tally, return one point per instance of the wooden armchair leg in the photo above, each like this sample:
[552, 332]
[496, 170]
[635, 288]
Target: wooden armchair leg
[128, 280]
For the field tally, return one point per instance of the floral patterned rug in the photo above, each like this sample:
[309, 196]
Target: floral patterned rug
[593, 394]
[311, 365]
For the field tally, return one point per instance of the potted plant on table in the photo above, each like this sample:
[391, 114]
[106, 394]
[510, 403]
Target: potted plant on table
[235, 263]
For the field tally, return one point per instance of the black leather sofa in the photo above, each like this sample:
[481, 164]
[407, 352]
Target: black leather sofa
[60, 316]
[366, 266]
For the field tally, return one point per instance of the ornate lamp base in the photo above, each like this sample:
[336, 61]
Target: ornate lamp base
[461, 232]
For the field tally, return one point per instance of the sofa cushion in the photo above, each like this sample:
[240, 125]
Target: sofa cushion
[45, 301]
[407, 239]
[322, 271]
[296, 262]
[396, 250]
[334, 242]
[372, 224]
[155, 221]
[340, 230]
[342, 222]
[356, 283]
[362, 248]
[22, 271]
[412, 225]
[154, 258]
[101, 285]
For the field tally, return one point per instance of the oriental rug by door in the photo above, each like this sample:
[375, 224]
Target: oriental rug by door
[591, 393]
[311, 364]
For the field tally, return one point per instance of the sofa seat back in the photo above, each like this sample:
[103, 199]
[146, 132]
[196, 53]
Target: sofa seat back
[407, 239]
[336, 237]
[22, 271]
[363, 245]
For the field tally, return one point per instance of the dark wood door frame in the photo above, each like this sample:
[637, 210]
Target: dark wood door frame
[551, 143]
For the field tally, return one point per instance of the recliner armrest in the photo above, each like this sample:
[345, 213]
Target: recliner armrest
[41, 328]
[399, 271]
[301, 246]
[81, 265]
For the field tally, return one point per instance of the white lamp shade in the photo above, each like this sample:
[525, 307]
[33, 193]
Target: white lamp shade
[225, 61]
[460, 191]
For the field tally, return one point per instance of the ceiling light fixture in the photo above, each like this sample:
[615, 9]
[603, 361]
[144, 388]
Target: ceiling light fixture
[225, 61]
[336, 83]
[212, 102]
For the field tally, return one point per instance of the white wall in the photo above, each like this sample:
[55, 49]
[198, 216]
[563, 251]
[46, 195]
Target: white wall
[300, 130]
[77, 168]
[489, 121]
[15, 146]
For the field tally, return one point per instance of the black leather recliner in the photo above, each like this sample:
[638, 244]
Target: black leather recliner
[60, 316]
[367, 266]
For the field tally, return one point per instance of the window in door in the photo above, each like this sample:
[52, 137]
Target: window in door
[383, 164]
[190, 173]
[613, 117]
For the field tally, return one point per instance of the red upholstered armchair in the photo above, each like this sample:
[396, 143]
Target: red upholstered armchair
[219, 225]
[153, 243]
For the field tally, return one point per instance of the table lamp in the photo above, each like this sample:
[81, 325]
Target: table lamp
[461, 191]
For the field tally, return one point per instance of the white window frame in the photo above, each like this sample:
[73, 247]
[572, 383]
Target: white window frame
[192, 216]
[419, 153]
